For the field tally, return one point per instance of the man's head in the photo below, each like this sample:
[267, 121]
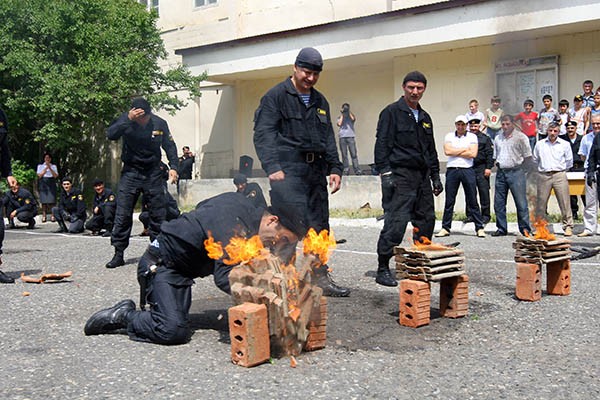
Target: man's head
[474, 124]
[508, 124]
[528, 105]
[186, 151]
[496, 101]
[577, 101]
[563, 105]
[460, 122]
[553, 130]
[67, 184]
[98, 186]
[15, 187]
[307, 68]
[279, 231]
[597, 100]
[547, 100]
[142, 104]
[571, 128]
[240, 181]
[588, 86]
[596, 123]
[473, 106]
[414, 85]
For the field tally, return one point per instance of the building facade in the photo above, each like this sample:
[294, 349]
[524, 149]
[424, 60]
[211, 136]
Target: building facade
[467, 49]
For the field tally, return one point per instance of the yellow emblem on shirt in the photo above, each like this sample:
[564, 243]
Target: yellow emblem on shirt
[157, 133]
[321, 111]
[27, 201]
[426, 125]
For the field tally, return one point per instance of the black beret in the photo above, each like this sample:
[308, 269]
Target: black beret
[97, 182]
[289, 218]
[309, 58]
[239, 179]
[140, 102]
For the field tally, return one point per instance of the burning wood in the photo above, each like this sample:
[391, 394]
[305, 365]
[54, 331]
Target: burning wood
[286, 290]
[429, 264]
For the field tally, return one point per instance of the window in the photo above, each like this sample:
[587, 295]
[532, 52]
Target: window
[203, 3]
[149, 4]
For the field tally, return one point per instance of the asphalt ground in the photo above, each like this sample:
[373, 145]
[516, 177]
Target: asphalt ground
[503, 349]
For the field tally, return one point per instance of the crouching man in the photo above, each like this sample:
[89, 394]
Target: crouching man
[178, 255]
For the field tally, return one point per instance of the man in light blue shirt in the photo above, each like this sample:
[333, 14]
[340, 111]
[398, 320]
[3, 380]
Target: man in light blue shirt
[590, 213]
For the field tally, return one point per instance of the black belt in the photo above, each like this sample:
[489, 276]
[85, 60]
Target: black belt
[308, 157]
[551, 172]
[510, 169]
[450, 168]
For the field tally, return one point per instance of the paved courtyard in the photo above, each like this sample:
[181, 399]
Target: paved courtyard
[504, 348]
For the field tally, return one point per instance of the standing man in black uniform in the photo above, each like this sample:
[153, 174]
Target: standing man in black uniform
[103, 210]
[407, 160]
[295, 142]
[71, 208]
[251, 190]
[143, 136]
[186, 163]
[20, 204]
[6, 170]
[178, 255]
[482, 164]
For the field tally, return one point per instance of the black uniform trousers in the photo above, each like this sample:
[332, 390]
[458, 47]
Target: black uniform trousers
[62, 217]
[25, 216]
[304, 189]
[133, 182]
[104, 220]
[483, 189]
[409, 199]
[169, 295]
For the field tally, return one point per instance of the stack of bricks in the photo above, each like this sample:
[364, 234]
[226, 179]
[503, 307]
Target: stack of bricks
[317, 327]
[429, 265]
[531, 255]
[415, 300]
[249, 332]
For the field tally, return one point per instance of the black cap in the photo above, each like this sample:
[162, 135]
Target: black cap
[578, 98]
[571, 123]
[238, 179]
[140, 102]
[289, 218]
[97, 182]
[309, 58]
[474, 121]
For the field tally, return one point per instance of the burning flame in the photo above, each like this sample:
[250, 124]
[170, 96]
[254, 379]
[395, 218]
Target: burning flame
[541, 230]
[319, 245]
[239, 249]
[424, 243]
[214, 249]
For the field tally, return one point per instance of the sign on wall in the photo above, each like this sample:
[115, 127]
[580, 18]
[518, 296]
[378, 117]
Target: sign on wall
[526, 78]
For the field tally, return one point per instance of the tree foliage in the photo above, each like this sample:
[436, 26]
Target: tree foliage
[67, 68]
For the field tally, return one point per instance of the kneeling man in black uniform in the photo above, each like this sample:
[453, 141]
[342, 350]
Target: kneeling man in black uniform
[20, 204]
[177, 256]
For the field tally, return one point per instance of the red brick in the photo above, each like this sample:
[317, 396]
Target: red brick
[249, 333]
[415, 303]
[529, 282]
[558, 277]
[454, 296]
[317, 327]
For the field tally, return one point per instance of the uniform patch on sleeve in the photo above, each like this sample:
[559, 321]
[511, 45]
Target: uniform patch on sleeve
[111, 197]
[321, 111]
[27, 201]
[426, 125]
[80, 197]
[157, 133]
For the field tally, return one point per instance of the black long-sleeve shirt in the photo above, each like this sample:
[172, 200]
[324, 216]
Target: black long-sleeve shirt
[485, 152]
[73, 203]
[283, 123]
[142, 144]
[22, 200]
[403, 142]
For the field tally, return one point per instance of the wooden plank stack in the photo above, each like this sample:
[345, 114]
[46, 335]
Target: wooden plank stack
[540, 251]
[287, 293]
[429, 265]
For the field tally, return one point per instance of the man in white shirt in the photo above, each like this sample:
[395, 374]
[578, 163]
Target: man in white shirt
[461, 148]
[554, 157]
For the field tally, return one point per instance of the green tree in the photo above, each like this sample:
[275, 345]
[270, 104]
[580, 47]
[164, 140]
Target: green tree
[69, 67]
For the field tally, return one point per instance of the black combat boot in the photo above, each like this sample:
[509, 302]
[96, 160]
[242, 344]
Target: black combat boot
[108, 232]
[11, 224]
[384, 276]
[31, 224]
[330, 288]
[5, 278]
[117, 260]
[110, 319]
